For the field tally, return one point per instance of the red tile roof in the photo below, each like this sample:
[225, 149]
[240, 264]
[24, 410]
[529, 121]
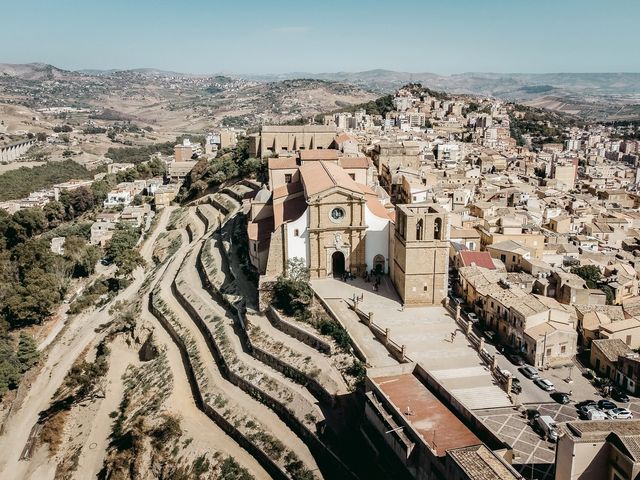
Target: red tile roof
[479, 259]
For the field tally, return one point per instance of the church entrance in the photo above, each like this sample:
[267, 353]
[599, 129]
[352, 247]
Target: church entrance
[337, 263]
[378, 264]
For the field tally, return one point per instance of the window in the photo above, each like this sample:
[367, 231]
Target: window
[513, 258]
[419, 229]
[296, 233]
[425, 288]
[287, 178]
[353, 176]
[255, 247]
[628, 341]
[437, 229]
[548, 352]
[337, 214]
[563, 349]
[503, 258]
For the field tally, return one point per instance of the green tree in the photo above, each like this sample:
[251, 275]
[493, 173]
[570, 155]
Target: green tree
[589, 273]
[124, 238]
[292, 293]
[28, 354]
[33, 300]
[128, 261]
[82, 256]
[54, 212]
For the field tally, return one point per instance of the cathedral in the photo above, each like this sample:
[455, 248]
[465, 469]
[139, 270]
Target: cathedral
[326, 209]
[319, 209]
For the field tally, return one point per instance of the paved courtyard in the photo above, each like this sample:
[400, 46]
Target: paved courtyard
[426, 332]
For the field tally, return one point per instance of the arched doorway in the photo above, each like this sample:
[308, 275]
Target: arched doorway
[337, 263]
[378, 264]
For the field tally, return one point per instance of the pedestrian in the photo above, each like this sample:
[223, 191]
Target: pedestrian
[453, 336]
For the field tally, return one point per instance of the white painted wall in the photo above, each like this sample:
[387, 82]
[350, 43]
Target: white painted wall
[376, 238]
[298, 246]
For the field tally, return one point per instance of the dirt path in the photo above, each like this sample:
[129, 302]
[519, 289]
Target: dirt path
[235, 395]
[206, 434]
[95, 448]
[60, 357]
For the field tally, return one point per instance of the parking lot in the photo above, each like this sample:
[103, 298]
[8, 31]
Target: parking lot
[530, 450]
[535, 457]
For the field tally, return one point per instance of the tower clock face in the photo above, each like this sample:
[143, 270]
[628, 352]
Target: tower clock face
[337, 214]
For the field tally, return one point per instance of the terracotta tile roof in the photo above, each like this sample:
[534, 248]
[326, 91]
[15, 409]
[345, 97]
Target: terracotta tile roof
[479, 259]
[343, 137]
[611, 348]
[354, 162]
[287, 189]
[282, 163]
[289, 210]
[320, 176]
[480, 463]
[261, 230]
[310, 155]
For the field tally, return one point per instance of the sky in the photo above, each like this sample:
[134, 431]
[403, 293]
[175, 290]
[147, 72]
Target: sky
[281, 36]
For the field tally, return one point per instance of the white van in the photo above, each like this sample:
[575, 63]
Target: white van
[548, 427]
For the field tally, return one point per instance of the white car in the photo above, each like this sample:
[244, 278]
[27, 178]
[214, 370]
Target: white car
[595, 414]
[544, 384]
[472, 317]
[620, 414]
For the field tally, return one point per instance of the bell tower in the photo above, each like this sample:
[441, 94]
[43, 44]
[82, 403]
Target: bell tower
[421, 254]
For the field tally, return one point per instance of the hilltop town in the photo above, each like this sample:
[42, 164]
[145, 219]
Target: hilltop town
[214, 277]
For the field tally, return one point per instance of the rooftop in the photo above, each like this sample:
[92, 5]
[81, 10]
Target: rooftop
[612, 348]
[440, 429]
[480, 463]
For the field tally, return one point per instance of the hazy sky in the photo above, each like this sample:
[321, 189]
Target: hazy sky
[276, 36]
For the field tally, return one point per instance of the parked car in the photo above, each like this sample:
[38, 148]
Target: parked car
[547, 427]
[490, 335]
[515, 386]
[584, 412]
[532, 414]
[606, 405]
[619, 395]
[585, 403]
[456, 300]
[560, 397]
[620, 414]
[473, 317]
[544, 384]
[529, 372]
[595, 414]
[515, 358]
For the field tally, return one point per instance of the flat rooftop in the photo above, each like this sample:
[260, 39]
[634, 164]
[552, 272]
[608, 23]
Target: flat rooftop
[438, 426]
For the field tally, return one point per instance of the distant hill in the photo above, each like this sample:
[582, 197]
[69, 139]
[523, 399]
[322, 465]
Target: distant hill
[593, 96]
[499, 84]
[32, 71]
